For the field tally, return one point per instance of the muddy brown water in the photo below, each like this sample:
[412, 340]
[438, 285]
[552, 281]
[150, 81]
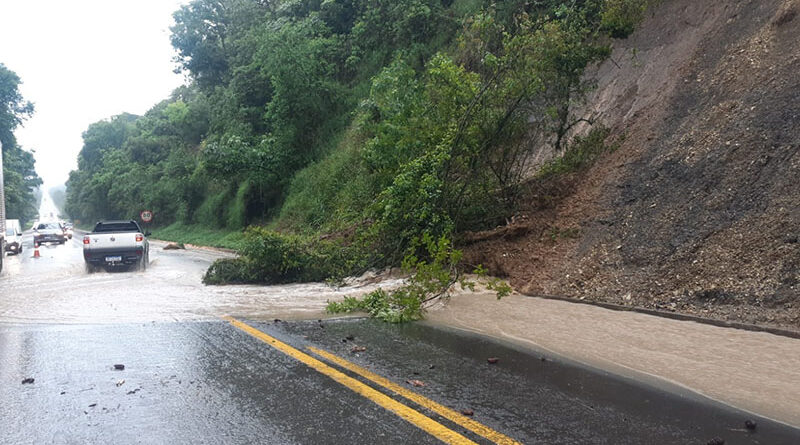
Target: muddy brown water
[754, 371]
[56, 288]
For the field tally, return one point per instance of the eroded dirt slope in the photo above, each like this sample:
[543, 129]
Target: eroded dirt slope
[699, 209]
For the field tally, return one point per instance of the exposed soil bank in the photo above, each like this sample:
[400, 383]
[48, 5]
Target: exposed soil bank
[698, 211]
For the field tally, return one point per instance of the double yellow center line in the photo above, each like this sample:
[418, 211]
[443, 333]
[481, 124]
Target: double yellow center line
[423, 422]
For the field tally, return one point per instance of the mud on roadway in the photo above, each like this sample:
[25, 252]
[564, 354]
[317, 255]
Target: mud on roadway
[565, 374]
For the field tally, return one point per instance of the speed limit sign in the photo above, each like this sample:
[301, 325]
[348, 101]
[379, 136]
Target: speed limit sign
[146, 216]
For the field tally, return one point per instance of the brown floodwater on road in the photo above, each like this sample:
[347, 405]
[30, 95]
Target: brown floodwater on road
[754, 371]
[56, 288]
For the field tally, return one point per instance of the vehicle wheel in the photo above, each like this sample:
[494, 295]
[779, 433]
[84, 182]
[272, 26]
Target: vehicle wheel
[90, 268]
[143, 264]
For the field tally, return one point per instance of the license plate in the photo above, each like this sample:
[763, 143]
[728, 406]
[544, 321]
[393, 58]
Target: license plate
[113, 259]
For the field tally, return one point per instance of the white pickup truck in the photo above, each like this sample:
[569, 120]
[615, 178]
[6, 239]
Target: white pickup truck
[116, 244]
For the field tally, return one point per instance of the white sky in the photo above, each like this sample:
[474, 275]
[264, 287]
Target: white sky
[82, 61]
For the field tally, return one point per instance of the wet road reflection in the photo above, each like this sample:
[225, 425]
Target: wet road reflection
[208, 382]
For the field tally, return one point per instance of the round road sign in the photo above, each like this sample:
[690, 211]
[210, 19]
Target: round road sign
[146, 215]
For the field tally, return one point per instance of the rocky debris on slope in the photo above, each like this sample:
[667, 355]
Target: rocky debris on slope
[699, 209]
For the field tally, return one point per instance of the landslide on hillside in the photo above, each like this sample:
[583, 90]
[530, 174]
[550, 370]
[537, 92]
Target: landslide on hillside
[698, 210]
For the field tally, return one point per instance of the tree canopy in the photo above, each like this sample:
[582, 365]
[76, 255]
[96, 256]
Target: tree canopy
[19, 174]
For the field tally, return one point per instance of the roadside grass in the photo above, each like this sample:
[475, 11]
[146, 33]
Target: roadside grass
[199, 235]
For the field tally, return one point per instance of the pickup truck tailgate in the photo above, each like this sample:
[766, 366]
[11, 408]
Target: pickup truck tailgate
[112, 241]
[113, 248]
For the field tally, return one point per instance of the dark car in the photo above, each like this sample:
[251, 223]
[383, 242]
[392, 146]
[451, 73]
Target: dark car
[49, 232]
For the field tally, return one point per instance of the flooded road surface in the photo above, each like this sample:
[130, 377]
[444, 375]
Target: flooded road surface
[57, 288]
[755, 371]
[188, 374]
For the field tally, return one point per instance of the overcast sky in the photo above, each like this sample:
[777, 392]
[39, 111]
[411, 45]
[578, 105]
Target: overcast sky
[82, 61]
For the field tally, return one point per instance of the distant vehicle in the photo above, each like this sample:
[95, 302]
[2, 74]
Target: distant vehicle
[67, 229]
[13, 236]
[116, 244]
[48, 232]
[2, 212]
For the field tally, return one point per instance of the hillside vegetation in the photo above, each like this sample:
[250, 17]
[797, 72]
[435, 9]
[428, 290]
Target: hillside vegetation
[377, 124]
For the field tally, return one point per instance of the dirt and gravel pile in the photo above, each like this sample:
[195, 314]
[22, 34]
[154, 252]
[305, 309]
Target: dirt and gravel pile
[698, 210]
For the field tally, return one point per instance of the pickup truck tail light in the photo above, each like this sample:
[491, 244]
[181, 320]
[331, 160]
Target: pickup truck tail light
[139, 237]
[86, 240]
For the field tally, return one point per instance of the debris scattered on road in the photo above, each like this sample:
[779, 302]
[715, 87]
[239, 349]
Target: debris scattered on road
[750, 425]
[431, 366]
[28, 381]
[358, 349]
[416, 383]
[716, 441]
[350, 337]
[119, 367]
[63, 392]
[92, 405]
[120, 382]
[277, 320]
[133, 391]
[175, 246]
[467, 412]
[492, 360]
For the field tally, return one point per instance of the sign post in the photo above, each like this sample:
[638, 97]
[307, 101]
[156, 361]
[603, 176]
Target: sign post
[146, 216]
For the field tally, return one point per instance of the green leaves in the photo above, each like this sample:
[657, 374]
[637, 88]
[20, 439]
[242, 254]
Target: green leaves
[273, 258]
[18, 165]
[620, 17]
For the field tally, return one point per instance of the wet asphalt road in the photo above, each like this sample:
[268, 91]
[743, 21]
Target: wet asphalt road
[192, 377]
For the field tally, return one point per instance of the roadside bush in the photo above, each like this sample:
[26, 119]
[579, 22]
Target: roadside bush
[273, 258]
[429, 279]
[229, 271]
[620, 17]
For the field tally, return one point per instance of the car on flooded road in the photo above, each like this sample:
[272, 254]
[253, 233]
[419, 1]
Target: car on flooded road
[13, 237]
[116, 244]
[48, 232]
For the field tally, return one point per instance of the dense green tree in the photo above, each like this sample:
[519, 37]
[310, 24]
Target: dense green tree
[19, 173]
